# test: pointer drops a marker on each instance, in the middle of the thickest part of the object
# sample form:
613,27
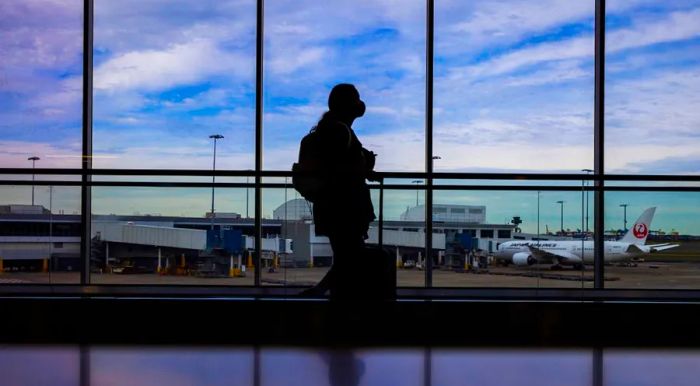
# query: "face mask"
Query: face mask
360,109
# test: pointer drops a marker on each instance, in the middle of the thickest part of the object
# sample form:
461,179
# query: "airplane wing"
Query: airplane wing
658,245
661,247
558,256
633,248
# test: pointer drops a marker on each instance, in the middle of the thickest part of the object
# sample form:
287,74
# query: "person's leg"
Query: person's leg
327,281
346,248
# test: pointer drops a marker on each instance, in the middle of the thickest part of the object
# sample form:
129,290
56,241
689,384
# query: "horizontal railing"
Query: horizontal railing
510,182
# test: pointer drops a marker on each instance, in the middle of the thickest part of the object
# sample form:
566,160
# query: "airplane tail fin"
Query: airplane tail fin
640,230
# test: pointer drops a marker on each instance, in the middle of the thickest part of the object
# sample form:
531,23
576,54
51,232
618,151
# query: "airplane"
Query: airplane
569,252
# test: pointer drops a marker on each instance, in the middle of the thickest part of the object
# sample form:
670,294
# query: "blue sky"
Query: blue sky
513,83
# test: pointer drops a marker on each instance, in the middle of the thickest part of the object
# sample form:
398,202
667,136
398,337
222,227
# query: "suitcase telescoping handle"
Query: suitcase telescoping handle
380,233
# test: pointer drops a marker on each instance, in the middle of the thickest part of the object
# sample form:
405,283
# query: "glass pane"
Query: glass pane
40,365
41,83
513,239
309,256
642,185
342,367
650,368
653,240
145,366
39,234
167,75
466,182
531,367
514,84
404,233
379,46
652,87
298,258
277,365
143,235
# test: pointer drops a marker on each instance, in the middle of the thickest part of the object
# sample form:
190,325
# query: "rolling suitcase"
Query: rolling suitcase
374,273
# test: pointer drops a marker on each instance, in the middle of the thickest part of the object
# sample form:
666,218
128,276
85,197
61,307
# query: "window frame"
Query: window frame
598,178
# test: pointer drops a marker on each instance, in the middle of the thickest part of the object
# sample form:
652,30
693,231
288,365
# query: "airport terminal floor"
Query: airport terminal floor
291,341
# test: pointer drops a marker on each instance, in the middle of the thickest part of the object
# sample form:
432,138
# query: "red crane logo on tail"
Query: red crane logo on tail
640,231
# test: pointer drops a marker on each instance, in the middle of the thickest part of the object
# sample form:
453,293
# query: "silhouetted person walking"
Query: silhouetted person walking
342,208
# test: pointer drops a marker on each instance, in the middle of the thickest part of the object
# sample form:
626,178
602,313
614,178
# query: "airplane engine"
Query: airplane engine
522,258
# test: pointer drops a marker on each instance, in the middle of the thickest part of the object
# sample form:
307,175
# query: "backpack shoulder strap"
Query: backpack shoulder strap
349,133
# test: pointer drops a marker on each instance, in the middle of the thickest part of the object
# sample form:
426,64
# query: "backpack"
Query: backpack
308,174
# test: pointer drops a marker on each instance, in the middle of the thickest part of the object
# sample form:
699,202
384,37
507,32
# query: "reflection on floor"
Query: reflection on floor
194,366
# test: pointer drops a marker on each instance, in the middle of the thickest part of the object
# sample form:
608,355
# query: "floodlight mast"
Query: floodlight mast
33,159
215,137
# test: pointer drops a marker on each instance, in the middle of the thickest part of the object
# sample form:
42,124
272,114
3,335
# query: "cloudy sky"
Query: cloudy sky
513,82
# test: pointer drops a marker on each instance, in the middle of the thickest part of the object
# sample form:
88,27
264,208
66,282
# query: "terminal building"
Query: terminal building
32,238
456,230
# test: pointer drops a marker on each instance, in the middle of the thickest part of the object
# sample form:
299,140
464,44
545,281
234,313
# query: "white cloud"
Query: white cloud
187,155
663,102
178,64
288,19
215,97
676,26
551,74
135,25
40,34
499,21
284,62
562,50
622,157
63,154
496,23
67,95
312,40
187,43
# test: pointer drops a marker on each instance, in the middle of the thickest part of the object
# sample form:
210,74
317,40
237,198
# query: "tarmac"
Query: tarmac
645,275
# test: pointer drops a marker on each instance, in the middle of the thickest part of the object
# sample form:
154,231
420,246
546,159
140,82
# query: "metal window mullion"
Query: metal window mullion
258,137
86,164
599,144
430,32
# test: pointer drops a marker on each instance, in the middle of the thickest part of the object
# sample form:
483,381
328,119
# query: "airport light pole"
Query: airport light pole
587,171
286,182
417,182
50,225
215,137
538,217
33,159
247,190
624,207
561,219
